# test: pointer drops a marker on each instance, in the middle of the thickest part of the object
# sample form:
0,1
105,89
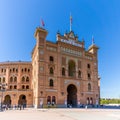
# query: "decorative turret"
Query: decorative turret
40,35
93,48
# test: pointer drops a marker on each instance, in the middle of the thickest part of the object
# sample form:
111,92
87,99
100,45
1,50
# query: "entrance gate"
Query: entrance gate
72,95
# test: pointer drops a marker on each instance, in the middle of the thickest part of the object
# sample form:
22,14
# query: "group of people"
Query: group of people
14,107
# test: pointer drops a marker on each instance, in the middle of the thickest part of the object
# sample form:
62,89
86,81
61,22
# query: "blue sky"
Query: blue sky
100,18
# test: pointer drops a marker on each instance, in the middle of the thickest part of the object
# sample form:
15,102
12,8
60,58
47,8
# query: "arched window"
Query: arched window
3,79
89,87
27,79
51,71
0,87
53,100
2,70
22,70
15,86
63,71
51,59
11,79
23,79
71,68
10,87
49,100
25,69
89,76
0,80
28,70
27,87
51,84
88,66
16,70
79,74
15,79
23,87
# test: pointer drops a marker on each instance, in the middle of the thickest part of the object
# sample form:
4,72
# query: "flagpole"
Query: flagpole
70,22
92,40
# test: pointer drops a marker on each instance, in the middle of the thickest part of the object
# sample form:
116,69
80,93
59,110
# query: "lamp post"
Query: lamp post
3,86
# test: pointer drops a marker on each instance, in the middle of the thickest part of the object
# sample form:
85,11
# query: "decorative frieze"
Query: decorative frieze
70,51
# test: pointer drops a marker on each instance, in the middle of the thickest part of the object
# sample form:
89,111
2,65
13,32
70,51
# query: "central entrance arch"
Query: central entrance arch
72,95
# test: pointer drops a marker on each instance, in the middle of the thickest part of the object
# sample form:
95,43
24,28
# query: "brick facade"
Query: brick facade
60,73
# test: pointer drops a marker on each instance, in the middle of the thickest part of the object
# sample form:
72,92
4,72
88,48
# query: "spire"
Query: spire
70,22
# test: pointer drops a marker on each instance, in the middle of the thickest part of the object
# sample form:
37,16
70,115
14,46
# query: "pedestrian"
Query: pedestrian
20,106
86,107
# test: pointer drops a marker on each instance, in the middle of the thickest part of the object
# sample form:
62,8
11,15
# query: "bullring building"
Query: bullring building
59,74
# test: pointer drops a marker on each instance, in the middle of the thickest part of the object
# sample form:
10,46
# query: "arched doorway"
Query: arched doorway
7,100
22,100
72,95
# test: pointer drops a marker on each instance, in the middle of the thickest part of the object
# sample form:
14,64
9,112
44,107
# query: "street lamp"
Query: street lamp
3,86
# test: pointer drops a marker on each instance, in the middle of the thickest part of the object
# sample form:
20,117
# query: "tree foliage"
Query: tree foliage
109,101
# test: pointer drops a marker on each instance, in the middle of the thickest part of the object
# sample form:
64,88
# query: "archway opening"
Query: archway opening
7,100
72,95
22,100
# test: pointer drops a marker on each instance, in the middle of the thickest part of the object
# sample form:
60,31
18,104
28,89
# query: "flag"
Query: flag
42,23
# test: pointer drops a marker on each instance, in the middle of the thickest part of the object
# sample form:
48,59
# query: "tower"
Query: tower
94,50
38,63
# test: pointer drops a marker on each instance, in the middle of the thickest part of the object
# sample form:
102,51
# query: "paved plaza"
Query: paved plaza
61,114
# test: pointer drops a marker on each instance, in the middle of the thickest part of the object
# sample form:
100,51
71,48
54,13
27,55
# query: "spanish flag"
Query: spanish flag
42,23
